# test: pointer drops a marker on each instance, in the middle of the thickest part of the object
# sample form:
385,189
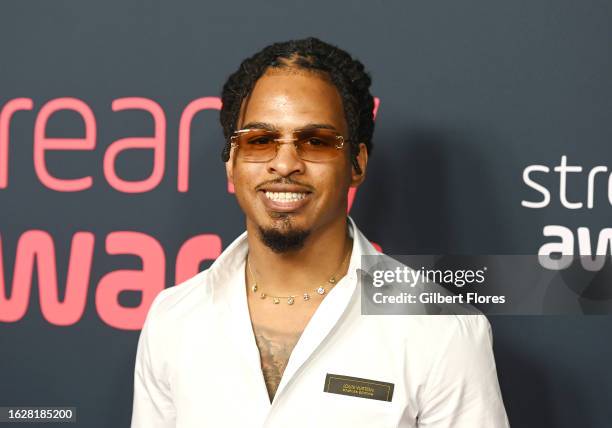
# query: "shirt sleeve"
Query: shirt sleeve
462,388
153,406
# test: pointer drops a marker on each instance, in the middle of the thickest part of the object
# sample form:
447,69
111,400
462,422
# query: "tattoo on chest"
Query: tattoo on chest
274,349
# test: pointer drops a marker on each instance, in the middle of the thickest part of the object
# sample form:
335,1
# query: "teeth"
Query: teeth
285,196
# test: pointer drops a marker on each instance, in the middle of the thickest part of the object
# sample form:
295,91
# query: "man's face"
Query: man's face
286,100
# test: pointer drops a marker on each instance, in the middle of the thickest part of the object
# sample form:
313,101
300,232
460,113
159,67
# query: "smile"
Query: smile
285,196
284,201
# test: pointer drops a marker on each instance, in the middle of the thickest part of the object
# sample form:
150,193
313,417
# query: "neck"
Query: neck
295,272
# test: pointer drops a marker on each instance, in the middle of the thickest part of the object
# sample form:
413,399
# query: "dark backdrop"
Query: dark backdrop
471,94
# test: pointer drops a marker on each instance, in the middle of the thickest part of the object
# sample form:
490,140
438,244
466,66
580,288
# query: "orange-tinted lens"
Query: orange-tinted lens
318,144
256,145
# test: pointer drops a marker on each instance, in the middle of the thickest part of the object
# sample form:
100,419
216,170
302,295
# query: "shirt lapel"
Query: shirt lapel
229,283
328,313
318,328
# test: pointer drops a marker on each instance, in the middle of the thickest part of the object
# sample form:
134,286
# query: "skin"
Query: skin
286,100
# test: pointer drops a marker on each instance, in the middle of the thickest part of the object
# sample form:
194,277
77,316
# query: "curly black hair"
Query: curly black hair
346,73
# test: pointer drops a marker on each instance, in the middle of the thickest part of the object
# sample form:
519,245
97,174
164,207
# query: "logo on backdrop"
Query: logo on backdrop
583,241
579,253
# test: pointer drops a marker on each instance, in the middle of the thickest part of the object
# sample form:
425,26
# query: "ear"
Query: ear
362,161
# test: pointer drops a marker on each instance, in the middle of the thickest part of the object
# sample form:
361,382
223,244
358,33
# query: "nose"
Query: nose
286,162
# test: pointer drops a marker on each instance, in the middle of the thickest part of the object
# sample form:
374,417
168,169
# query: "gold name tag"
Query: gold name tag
358,387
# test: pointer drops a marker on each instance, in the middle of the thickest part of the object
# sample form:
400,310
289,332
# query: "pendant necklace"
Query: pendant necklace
290,300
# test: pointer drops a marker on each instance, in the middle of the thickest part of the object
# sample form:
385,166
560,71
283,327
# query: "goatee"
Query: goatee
282,241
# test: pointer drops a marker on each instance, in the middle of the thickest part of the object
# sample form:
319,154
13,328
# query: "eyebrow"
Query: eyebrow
270,127
260,125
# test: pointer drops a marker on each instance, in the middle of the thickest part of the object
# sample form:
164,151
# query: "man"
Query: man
271,334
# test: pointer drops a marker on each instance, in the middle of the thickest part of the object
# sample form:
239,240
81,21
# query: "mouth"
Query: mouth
284,201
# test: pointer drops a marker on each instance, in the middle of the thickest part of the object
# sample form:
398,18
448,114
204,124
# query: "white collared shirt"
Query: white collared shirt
198,364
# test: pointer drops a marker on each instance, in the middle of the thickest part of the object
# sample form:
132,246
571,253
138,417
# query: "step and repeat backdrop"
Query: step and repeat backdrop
493,136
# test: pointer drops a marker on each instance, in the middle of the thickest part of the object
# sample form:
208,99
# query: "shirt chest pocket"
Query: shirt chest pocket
344,410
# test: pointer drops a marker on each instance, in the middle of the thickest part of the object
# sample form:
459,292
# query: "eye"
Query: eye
316,142
259,141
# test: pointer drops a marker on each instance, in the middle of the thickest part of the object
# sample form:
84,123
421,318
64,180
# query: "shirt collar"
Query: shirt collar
232,259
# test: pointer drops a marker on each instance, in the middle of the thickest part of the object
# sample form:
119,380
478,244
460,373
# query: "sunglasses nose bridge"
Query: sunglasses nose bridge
286,141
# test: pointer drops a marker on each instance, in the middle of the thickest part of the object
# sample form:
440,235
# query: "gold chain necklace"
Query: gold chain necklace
291,299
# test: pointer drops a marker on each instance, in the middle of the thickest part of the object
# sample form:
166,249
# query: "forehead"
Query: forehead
288,98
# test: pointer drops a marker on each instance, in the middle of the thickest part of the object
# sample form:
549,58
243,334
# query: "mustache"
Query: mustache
284,180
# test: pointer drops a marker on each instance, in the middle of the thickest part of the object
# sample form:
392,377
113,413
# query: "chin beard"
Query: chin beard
283,241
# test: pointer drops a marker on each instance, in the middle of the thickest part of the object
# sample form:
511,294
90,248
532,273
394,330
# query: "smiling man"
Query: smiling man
271,335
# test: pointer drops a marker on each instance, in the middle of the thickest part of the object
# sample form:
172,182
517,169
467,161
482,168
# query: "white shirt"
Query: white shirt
198,364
